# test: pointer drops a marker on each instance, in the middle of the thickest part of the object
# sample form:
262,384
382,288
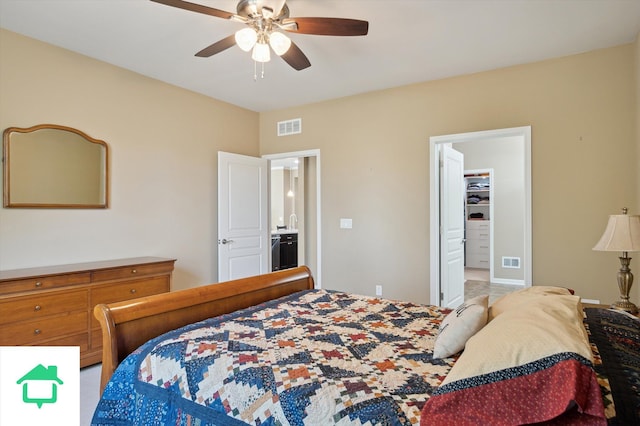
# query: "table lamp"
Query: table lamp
622,234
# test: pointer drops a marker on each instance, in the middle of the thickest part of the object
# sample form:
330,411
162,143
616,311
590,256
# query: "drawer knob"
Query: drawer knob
133,291
134,271
36,331
37,308
38,284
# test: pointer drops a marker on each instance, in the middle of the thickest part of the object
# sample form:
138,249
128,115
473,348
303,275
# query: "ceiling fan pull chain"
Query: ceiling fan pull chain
255,71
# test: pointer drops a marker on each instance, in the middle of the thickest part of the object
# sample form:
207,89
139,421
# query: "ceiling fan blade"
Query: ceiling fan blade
329,26
217,47
193,7
275,5
296,58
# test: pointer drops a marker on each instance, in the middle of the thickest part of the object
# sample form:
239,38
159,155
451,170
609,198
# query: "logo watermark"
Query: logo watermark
40,385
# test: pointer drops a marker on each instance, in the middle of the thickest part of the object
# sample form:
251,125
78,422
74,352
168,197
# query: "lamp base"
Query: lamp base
625,306
625,281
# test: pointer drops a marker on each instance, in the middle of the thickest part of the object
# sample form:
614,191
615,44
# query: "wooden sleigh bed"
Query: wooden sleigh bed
272,349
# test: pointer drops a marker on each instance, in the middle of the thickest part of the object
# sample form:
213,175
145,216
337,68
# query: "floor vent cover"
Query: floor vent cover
290,127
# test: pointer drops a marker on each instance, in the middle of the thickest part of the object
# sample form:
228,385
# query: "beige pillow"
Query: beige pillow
541,328
524,352
517,299
459,325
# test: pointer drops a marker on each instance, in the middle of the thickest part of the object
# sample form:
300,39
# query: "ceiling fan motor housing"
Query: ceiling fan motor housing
275,9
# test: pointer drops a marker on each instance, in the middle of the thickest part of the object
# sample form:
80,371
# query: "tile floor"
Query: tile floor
477,283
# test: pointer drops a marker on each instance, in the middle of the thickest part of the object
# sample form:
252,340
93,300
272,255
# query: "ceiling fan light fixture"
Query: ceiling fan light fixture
279,42
246,38
262,17
261,52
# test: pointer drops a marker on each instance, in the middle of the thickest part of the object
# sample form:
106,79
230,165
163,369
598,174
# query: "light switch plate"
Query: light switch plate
346,223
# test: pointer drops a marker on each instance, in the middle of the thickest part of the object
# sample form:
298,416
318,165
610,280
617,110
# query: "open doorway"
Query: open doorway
520,136
295,210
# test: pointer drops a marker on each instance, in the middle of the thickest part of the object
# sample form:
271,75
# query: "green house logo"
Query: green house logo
40,385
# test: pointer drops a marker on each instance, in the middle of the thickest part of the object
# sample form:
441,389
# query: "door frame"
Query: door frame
307,153
434,200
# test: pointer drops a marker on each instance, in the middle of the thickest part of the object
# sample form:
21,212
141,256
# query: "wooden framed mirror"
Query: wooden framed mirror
52,166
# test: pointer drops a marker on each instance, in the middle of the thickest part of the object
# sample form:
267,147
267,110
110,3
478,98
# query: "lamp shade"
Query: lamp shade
622,234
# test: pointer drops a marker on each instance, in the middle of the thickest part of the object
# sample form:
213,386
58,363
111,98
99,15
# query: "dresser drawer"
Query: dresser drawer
128,272
477,246
46,303
478,234
79,340
127,290
40,331
475,260
43,283
478,225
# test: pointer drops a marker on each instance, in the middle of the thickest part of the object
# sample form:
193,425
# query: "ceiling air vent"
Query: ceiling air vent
290,127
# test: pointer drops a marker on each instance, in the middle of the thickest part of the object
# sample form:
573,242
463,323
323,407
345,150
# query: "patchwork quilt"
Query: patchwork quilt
615,340
320,358
313,358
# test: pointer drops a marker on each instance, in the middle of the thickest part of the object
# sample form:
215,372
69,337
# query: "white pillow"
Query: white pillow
459,325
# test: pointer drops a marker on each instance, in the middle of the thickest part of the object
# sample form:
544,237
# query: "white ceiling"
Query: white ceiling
409,41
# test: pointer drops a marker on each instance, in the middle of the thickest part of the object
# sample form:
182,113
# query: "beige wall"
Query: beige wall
635,290
374,150
163,143
637,118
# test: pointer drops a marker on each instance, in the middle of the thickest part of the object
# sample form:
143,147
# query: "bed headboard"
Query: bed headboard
127,325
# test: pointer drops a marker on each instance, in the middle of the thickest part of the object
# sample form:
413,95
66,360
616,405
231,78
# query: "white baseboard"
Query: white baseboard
507,281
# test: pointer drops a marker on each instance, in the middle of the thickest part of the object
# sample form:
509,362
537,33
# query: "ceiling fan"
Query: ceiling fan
263,19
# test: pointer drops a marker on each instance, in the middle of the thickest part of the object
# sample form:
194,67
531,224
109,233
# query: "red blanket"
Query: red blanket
532,363
560,390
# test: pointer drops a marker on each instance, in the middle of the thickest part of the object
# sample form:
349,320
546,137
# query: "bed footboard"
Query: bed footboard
127,325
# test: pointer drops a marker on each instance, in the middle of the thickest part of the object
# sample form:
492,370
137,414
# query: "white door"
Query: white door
243,231
452,227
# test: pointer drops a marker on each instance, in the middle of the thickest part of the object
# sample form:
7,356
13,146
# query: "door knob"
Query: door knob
225,241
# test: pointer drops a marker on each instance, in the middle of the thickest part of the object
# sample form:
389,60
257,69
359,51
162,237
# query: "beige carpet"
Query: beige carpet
89,392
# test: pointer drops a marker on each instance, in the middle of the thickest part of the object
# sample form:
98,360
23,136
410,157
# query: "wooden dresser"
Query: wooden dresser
53,306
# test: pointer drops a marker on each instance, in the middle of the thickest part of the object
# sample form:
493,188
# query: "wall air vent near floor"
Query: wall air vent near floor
511,262
290,127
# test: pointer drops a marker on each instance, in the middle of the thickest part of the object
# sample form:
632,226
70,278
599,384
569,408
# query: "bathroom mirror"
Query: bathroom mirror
52,166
